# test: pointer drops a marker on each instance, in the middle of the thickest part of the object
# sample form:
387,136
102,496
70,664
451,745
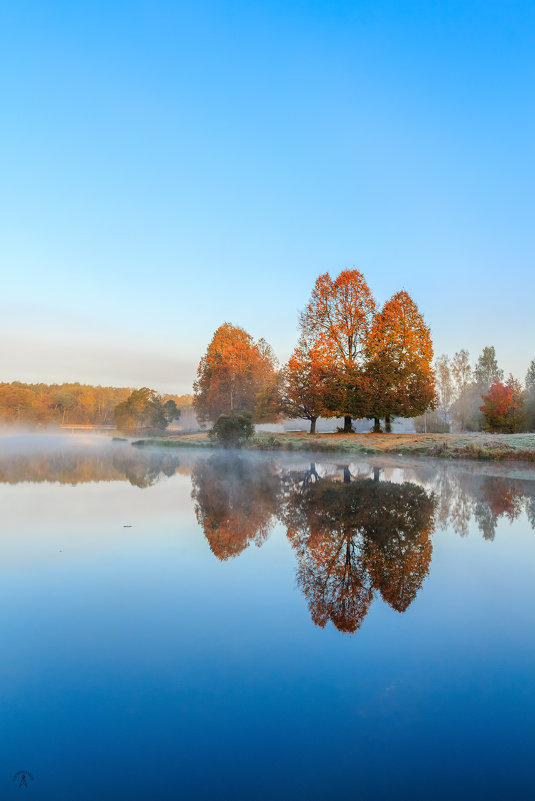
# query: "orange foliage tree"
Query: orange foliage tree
42,404
502,407
232,374
400,352
304,383
337,321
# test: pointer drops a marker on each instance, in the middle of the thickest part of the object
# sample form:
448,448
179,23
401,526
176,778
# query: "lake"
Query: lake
203,624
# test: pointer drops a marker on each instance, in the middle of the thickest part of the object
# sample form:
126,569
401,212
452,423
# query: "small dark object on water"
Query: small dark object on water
119,439
127,526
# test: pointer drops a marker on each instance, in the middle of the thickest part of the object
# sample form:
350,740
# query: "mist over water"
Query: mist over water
165,607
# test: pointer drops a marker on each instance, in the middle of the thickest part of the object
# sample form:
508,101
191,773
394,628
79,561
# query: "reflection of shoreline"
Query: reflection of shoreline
359,529
466,492
73,466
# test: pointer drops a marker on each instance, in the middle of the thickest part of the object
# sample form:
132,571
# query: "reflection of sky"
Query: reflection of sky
170,167
136,665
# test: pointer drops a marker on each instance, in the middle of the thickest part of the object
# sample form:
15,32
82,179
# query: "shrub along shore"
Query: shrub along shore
513,447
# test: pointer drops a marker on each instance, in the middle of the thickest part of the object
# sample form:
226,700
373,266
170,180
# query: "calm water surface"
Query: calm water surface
203,625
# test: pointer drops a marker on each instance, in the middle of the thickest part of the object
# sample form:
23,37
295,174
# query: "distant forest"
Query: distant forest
42,404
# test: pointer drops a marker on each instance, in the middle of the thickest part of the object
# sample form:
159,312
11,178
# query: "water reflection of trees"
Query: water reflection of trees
357,538
235,502
485,499
355,535
147,467
140,468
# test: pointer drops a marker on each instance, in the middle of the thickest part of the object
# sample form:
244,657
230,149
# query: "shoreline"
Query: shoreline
474,446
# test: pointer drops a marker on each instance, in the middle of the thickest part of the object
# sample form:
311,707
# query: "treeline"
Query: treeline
45,404
477,398
356,361
352,360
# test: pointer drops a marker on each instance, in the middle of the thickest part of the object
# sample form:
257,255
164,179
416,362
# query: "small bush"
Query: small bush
232,430
267,442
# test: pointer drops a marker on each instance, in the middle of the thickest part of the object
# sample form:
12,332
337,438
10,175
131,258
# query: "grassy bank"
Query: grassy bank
519,447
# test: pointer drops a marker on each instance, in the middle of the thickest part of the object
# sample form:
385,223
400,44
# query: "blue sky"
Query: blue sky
167,167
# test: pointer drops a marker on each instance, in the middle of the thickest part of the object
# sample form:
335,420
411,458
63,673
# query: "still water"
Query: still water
206,625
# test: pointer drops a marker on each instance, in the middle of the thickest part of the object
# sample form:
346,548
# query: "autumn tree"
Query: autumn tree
43,404
502,407
399,377
232,373
15,402
336,322
64,401
304,383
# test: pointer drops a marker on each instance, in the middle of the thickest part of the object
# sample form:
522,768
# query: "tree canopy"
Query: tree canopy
337,322
144,408
400,351
232,374
305,383
486,371
502,407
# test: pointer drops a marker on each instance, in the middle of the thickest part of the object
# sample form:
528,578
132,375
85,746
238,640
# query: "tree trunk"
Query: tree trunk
347,475
376,425
313,425
348,427
388,424
376,473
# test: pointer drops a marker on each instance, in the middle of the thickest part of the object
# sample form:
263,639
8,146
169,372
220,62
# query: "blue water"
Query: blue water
205,652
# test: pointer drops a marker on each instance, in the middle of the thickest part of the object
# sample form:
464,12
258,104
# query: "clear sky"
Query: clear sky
169,166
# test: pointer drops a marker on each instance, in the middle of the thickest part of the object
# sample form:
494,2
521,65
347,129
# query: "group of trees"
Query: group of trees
73,403
352,361
477,398
43,404
144,408
354,539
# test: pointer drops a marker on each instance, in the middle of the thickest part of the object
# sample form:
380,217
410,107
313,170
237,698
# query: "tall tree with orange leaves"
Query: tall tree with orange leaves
400,351
337,321
304,383
232,373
